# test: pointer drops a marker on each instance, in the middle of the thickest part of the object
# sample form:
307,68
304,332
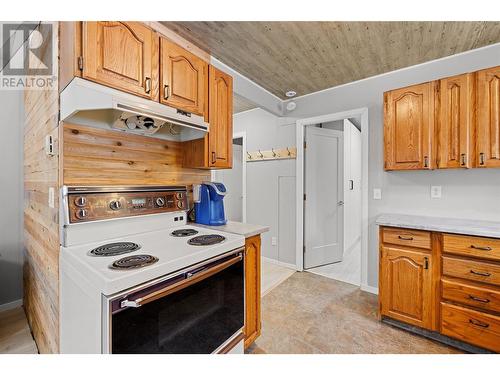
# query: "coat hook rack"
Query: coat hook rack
272,154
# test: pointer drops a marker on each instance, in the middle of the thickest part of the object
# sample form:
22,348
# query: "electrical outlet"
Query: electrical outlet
51,197
377,193
436,192
273,241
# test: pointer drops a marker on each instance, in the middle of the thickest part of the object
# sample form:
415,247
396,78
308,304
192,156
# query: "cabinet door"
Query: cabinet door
252,290
488,117
409,127
122,55
456,101
221,119
183,78
406,286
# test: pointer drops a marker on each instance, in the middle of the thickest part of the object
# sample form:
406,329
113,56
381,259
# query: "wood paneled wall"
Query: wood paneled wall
41,222
94,156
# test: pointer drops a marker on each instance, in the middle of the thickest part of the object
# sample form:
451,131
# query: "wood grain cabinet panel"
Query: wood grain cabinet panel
221,119
183,78
455,121
472,246
471,326
252,290
407,237
488,117
484,272
122,55
409,127
406,285
471,294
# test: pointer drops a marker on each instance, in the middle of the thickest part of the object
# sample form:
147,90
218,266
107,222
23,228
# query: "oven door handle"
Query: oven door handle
192,279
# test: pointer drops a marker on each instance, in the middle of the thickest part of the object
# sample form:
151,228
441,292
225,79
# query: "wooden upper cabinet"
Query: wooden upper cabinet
220,135
488,117
409,127
123,55
183,78
406,286
456,110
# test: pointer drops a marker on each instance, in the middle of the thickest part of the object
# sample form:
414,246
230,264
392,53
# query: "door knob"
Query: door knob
340,203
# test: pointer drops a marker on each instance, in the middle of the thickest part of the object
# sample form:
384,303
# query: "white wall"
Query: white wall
233,181
270,184
11,197
470,193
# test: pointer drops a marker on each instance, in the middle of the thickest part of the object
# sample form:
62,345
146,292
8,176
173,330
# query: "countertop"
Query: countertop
442,224
236,227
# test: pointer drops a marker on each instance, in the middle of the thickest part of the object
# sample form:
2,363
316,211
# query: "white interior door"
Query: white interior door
323,204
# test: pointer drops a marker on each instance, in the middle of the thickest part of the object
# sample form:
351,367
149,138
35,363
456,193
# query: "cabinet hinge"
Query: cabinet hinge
304,196
305,144
80,62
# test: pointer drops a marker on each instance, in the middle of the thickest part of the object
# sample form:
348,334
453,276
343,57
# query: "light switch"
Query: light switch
377,193
51,197
436,192
273,241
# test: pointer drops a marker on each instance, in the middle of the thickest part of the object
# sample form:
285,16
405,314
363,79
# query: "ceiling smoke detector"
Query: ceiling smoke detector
290,93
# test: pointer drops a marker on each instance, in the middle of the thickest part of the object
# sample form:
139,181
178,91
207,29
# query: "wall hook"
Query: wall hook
289,153
274,153
249,155
261,155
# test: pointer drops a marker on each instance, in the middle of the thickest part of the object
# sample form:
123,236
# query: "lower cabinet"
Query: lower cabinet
252,290
406,286
450,284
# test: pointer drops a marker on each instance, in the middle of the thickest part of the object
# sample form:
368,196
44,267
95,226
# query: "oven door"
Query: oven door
197,310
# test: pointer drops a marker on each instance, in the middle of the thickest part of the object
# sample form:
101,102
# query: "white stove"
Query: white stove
127,255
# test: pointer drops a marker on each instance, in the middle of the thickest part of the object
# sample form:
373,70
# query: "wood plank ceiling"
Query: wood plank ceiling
311,56
241,104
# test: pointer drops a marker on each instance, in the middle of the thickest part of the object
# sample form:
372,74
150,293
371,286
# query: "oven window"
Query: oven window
197,319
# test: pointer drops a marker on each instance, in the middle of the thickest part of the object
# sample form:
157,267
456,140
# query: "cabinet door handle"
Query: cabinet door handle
487,274
405,238
481,158
478,323
426,263
147,85
166,92
213,157
426,161
463,159
485,248
483,300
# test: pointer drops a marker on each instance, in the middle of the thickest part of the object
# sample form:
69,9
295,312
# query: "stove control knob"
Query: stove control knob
115,205
160,202
180,204
180,195
81,201
81,213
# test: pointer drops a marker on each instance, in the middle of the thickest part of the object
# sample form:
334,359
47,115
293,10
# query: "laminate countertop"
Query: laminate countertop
236,227
442,224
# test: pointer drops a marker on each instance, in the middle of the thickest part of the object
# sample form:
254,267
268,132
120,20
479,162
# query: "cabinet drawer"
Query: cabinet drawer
471,326
479,247
472,270
471,294
407,237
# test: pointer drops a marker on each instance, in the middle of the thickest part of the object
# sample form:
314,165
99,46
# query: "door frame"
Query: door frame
213,174
299,165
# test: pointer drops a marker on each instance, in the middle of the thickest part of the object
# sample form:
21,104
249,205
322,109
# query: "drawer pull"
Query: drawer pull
405,238
483,300
478,323
485,248
487,274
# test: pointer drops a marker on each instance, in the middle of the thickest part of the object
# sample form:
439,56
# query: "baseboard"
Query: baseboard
278,263
369,289
11,305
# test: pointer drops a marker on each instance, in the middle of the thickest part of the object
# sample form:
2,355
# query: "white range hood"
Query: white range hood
90,103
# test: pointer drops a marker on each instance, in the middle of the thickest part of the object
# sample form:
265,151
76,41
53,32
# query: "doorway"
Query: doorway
235,181
332,196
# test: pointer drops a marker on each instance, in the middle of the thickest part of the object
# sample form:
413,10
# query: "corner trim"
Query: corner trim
369,289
